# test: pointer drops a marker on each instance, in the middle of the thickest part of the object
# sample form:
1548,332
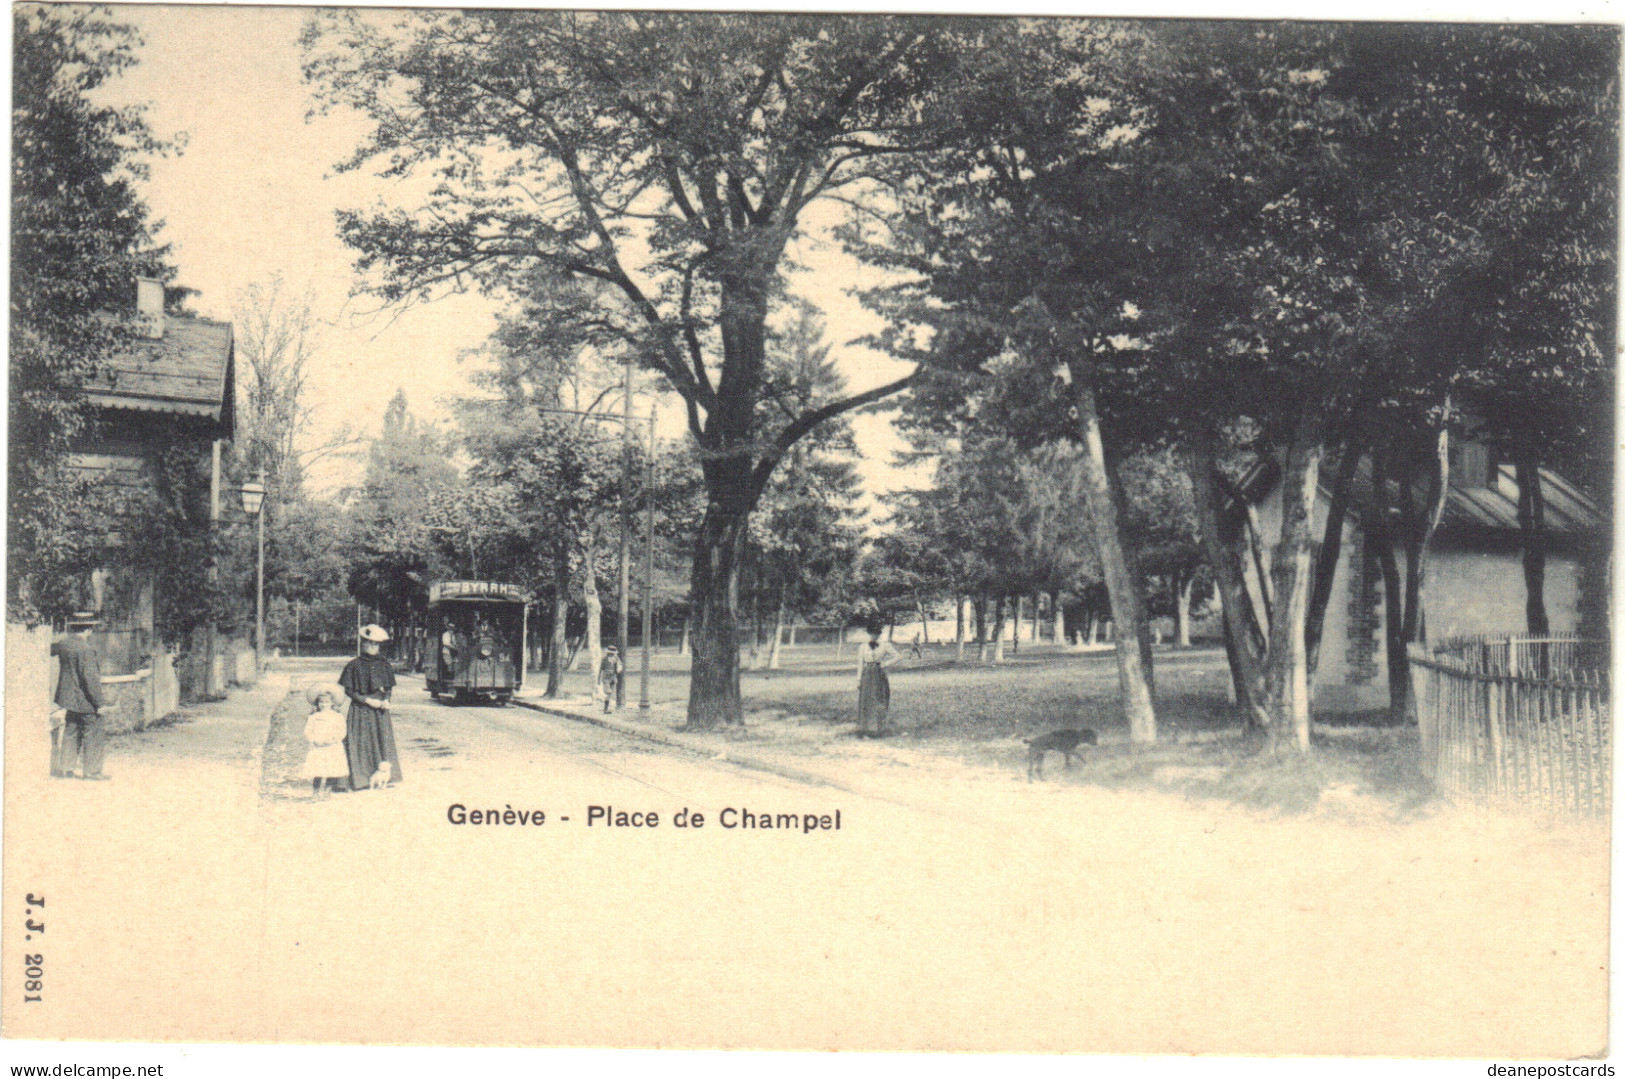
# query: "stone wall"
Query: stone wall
125,703
28,692
1362,634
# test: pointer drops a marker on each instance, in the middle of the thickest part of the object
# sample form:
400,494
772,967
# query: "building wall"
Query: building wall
1471,593
122,458
1468,592
1352,674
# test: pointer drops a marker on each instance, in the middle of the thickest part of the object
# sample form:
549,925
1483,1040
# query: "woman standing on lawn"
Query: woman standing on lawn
874,689
370,736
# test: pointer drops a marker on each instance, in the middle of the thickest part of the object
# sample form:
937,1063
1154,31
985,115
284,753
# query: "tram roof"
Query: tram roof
476,592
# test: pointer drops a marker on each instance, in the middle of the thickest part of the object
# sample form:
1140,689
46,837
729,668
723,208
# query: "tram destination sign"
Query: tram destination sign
476,590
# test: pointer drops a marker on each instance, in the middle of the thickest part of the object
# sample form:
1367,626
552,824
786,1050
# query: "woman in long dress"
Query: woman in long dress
874,688
369,736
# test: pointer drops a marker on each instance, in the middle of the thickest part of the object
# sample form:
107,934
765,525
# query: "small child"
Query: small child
325,730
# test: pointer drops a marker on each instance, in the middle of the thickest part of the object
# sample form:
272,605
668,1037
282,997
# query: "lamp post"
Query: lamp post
648,561
253,493
622,640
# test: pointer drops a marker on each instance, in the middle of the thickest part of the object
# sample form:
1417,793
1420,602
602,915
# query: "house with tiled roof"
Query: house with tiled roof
1475,583
173,391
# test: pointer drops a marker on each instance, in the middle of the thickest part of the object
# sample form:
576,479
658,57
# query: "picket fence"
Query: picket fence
1517,720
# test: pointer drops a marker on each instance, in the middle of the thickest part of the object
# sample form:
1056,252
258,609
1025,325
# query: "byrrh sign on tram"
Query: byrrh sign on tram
476,640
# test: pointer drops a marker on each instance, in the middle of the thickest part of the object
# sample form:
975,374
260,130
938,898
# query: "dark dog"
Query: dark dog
1063,742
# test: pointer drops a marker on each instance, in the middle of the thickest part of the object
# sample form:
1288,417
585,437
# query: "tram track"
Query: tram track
545,735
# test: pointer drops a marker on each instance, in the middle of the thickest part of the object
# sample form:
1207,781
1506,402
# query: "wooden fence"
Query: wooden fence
1517,720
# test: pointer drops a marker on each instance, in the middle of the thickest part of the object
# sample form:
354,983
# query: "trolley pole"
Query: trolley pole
622,638
259,596
648,560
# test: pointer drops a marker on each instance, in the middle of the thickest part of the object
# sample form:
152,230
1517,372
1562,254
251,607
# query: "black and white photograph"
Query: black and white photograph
910,532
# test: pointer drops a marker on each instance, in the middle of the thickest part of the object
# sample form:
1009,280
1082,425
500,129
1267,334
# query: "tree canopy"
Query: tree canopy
80,235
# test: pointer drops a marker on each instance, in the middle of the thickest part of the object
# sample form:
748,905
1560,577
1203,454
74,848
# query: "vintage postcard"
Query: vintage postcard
786,531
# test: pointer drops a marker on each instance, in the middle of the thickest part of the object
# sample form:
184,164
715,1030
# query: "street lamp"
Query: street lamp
253,493
648,561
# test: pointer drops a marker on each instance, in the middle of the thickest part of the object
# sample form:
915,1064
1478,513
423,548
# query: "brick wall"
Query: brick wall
1363,632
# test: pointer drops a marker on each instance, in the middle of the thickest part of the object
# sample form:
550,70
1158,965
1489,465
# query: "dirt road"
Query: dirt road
954,908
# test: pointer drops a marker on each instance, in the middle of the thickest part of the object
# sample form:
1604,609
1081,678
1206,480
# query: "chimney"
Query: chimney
149,306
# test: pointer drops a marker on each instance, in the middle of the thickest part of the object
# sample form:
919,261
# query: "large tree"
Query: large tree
276,334
396,556
80,235
667,159
1015,272
804,532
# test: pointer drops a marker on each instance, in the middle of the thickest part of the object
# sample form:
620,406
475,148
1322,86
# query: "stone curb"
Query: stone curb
695,746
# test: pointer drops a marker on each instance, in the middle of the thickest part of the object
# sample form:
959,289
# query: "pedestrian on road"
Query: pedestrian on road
609,675
369,736
83,737
326,763
874,688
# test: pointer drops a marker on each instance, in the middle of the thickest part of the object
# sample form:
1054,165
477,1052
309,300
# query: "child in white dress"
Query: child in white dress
325,730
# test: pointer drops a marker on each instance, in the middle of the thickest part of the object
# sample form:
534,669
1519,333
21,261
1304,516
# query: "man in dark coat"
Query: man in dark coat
79,694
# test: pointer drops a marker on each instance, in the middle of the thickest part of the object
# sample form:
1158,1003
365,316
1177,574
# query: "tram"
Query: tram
476,640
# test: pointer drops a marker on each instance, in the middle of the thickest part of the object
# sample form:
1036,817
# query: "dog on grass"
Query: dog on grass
1065,743
380,778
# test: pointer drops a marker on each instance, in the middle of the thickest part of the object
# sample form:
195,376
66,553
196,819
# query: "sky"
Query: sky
253,195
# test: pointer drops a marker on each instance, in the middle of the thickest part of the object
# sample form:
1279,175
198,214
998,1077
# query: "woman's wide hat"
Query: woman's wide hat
374,632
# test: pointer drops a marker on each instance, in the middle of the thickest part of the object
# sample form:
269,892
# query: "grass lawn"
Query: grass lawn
980,713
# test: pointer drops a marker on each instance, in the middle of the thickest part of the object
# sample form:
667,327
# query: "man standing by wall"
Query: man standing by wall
79,694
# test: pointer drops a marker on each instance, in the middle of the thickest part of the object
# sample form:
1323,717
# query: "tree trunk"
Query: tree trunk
1260,599
756,628
682,645
1240,695
1059,612
1420,534
713,696
1380,540
1331,549
1184,584
925,626
1287,680
1532,529
1034,637
1124,592
561,612
1244,638
998,629
778,637
1014,603
595,604
1131,559
959,628
981,627
1596,588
